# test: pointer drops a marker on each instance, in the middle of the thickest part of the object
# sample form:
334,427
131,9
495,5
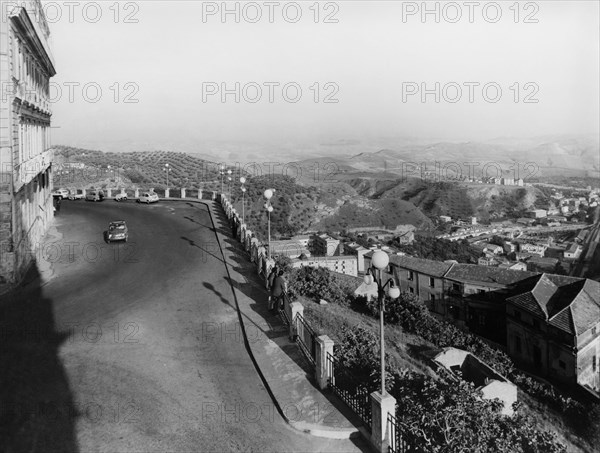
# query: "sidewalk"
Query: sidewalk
286,373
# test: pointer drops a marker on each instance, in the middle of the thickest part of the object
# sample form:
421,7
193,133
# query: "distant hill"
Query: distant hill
131,170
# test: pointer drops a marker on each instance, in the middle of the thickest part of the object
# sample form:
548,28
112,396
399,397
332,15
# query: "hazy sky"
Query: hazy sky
375,61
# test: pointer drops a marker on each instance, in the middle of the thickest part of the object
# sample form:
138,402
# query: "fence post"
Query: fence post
381,406
109,193
295,308
324,346
167,193
199,194
136,193
182,192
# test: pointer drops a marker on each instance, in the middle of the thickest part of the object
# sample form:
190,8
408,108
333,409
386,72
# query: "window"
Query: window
411,290
562,365
410,276
518,344
432,297
431,282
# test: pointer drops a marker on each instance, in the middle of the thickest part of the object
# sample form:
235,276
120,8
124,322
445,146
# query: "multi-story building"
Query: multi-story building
553,328
475,297
26,66
325,245
421,277
342,264
290,248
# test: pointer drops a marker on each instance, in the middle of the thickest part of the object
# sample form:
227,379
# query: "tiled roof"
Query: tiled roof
428,267
570,304
489,276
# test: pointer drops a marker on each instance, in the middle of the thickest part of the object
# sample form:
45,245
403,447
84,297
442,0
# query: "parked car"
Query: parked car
117,231
94,195
121,197
148,197
73,195
60,193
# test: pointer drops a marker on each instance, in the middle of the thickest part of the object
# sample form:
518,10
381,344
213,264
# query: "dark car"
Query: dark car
117,231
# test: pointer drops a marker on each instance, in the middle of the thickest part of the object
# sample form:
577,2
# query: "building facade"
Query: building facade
553,328
26,66
342,264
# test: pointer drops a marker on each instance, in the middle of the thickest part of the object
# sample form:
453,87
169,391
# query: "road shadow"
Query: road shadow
37,412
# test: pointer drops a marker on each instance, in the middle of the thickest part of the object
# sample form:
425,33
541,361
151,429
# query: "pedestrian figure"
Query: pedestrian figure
278,290
270,280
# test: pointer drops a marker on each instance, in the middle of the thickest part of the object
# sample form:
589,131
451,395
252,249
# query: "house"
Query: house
493,248
525,221
537,213
553,328
555,251
540,264
533,249
488,260
475,297
509,247
303,239
354,248
289,248
421,277
342,264
514,265
325,245
471,368
406,238
573,252
445,218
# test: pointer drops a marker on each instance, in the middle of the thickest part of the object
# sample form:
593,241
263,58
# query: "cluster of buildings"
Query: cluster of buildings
548,324
26,66
337,253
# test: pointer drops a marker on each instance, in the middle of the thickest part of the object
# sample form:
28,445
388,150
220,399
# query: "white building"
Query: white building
26,66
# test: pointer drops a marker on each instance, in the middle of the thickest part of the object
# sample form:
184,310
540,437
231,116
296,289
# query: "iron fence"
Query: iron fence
306,339
349,389
400,441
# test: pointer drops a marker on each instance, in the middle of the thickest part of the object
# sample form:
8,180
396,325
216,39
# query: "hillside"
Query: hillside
131,170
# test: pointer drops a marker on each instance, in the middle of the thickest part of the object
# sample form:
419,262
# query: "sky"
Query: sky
181,75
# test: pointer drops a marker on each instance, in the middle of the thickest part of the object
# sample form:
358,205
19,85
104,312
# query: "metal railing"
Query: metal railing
350,390
400,441
307,340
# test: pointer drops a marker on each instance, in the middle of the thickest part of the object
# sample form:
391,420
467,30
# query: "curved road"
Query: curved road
134,346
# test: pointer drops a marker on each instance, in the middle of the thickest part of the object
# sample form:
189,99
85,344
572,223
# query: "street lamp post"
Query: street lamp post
379,261
229,182
167,168
243,180
268,195
222,173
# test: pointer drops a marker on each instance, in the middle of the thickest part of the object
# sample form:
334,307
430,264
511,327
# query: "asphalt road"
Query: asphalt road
133,346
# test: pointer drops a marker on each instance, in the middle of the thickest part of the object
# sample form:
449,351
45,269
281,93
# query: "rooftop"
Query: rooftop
424,266
490,276
570,304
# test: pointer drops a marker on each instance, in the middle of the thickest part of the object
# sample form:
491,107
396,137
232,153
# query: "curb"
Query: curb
307,428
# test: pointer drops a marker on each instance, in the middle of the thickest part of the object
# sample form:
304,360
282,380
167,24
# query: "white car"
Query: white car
60,193
76,196
121,197
148,197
